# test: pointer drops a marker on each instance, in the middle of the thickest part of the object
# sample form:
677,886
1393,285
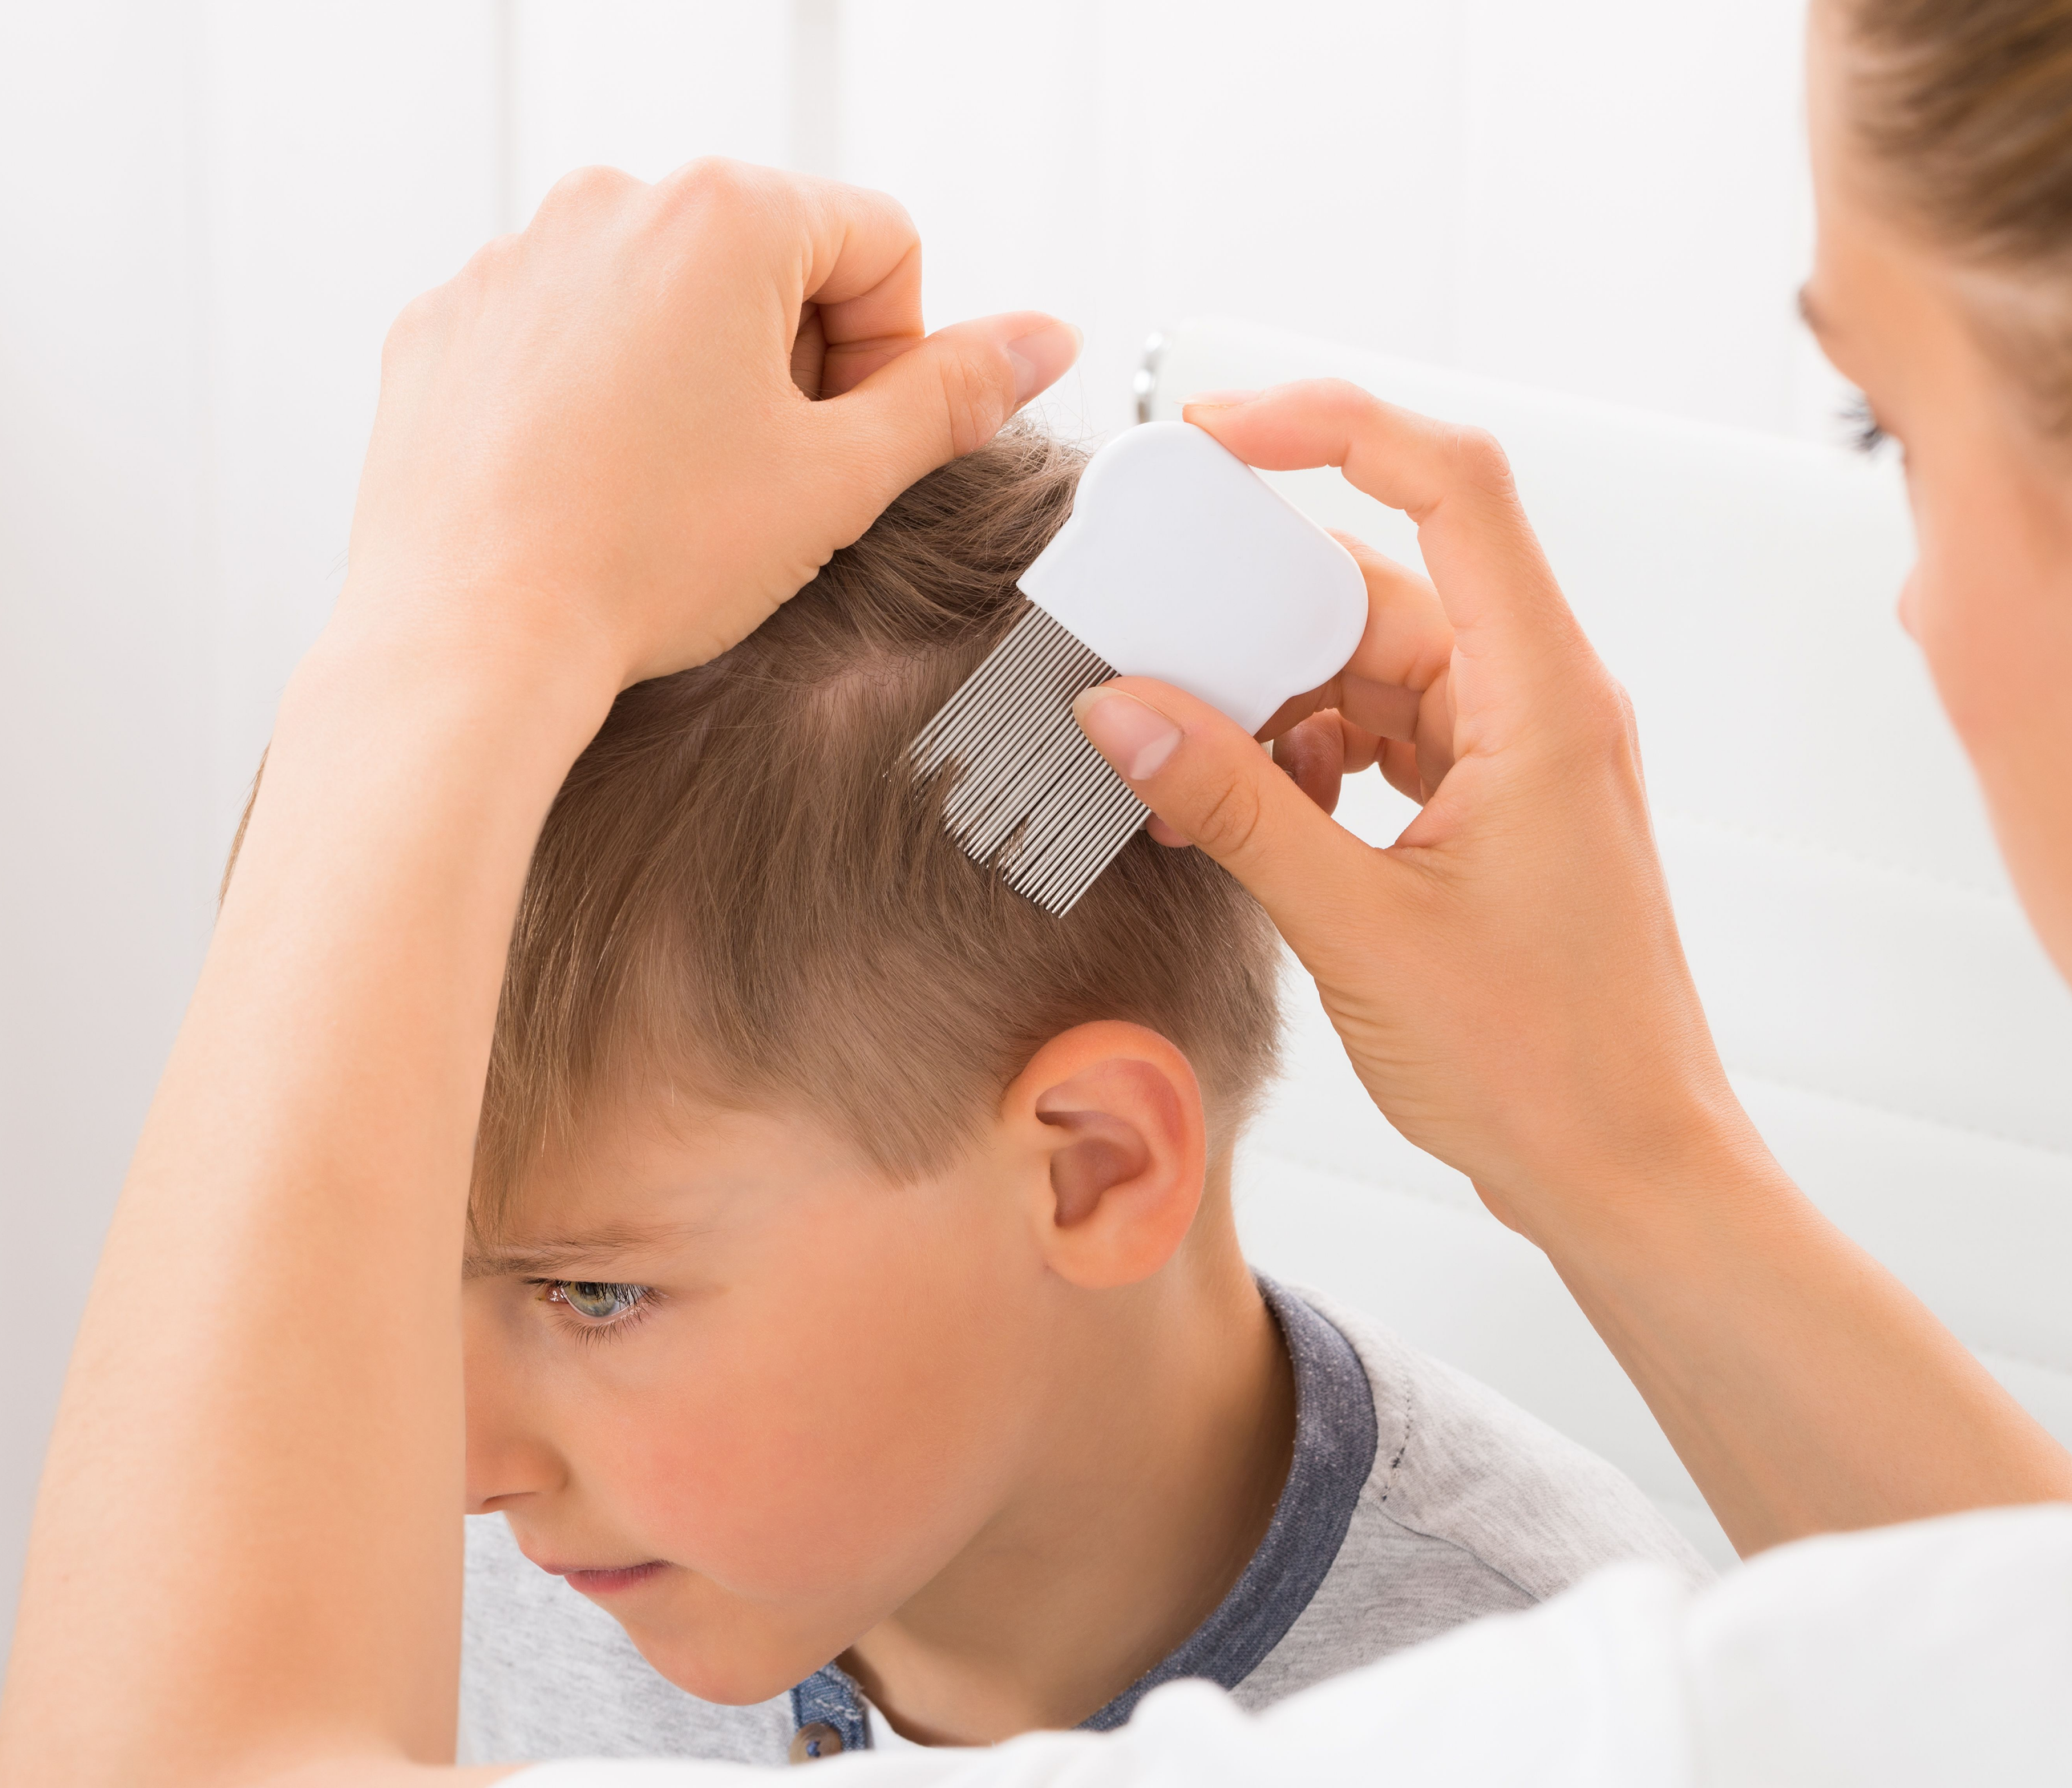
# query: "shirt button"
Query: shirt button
818,1739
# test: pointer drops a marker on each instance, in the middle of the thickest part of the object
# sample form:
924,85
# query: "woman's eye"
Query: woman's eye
1866,432
595,1300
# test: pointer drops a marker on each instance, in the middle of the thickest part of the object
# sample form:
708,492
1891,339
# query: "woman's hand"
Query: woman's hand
1509,985
593,446
1508,977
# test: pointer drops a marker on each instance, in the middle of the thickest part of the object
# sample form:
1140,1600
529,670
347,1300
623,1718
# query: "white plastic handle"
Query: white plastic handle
1178,561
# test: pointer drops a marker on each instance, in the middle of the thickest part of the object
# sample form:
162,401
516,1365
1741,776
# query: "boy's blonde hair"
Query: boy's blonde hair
741,890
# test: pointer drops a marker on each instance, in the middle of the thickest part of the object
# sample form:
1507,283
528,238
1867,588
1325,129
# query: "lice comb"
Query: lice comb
1178,562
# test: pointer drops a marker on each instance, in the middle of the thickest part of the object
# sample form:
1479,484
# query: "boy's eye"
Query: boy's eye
595,1300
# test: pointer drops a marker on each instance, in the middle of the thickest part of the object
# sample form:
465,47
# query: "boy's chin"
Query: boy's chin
734,1661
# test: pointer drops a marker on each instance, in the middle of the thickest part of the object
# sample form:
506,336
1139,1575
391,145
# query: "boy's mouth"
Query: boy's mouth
608,1579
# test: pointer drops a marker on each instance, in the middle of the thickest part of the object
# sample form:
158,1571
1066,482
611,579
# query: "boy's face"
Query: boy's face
749,1393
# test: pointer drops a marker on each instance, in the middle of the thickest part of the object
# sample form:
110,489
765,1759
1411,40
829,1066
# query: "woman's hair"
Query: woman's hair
742,890
1965,107
1968,105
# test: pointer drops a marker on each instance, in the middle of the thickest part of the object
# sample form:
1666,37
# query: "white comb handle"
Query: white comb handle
1180,562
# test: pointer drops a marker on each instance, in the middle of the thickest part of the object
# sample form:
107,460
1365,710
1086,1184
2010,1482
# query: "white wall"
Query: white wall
103,645
209,213
1604,197
210,207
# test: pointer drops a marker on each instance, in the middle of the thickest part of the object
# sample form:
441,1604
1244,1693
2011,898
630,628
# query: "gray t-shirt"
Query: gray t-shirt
1417,1499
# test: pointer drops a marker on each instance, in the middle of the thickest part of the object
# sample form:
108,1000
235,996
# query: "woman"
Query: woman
244,1567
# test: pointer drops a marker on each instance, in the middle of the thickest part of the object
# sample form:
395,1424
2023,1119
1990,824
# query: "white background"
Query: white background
208,212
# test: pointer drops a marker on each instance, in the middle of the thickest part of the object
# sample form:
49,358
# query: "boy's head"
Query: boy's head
821,1177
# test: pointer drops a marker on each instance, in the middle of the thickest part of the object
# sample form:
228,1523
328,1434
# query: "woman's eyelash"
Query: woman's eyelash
1866,433
597,1309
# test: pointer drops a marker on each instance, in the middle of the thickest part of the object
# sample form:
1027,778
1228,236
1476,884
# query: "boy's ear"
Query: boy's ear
1110,1115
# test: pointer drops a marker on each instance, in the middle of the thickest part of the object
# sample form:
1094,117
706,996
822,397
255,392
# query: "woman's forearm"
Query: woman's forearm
592,463
249,1530
1805,1388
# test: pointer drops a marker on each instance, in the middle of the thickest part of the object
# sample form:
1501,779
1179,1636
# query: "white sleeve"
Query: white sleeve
1933,1654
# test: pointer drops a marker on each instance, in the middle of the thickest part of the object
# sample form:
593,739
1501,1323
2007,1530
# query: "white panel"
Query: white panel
1633,216
351,166
1981,1228
1824,971
644,85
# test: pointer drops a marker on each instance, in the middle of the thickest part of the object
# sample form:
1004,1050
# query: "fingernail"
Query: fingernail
1218,400
1041,358
1135,738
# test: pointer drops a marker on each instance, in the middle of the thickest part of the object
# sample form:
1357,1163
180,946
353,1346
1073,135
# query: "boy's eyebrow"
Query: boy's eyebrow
552,1257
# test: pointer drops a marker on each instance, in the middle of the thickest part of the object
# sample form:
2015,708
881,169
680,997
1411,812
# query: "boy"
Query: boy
859,1349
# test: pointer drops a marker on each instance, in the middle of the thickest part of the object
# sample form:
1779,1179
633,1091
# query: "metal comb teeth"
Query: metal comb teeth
1028,792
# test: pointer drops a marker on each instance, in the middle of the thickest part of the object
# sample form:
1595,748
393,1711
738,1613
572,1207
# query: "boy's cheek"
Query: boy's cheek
813,1441
853,1426
794,1523
864,1465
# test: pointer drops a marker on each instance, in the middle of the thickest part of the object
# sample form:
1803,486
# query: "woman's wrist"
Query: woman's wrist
1595,1183
390,650
1792,1373
414,769
1670,1214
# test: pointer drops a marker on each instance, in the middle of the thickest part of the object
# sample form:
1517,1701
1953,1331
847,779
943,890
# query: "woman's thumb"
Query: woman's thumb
1209,779
948,394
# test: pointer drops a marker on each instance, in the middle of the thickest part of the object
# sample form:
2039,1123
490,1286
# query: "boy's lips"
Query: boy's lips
605,1580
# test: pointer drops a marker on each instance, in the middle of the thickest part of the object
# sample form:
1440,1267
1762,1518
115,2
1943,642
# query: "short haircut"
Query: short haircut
742,891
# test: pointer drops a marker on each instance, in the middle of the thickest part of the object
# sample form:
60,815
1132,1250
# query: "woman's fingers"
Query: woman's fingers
854,253
1394,685
1398,763
865,275
1506,611
809,351
945,396
863,278
900,402
1312,755
1408,640
1406,648
593,444
1317,755
1209,780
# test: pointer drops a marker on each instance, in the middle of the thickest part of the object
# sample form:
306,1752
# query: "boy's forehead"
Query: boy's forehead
549,1252
654,1174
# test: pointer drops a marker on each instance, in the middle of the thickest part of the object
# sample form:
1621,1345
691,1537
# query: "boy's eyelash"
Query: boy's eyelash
1866,432
639,1299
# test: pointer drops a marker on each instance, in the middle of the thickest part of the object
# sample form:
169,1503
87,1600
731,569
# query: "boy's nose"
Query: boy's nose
508,1455
500,1474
